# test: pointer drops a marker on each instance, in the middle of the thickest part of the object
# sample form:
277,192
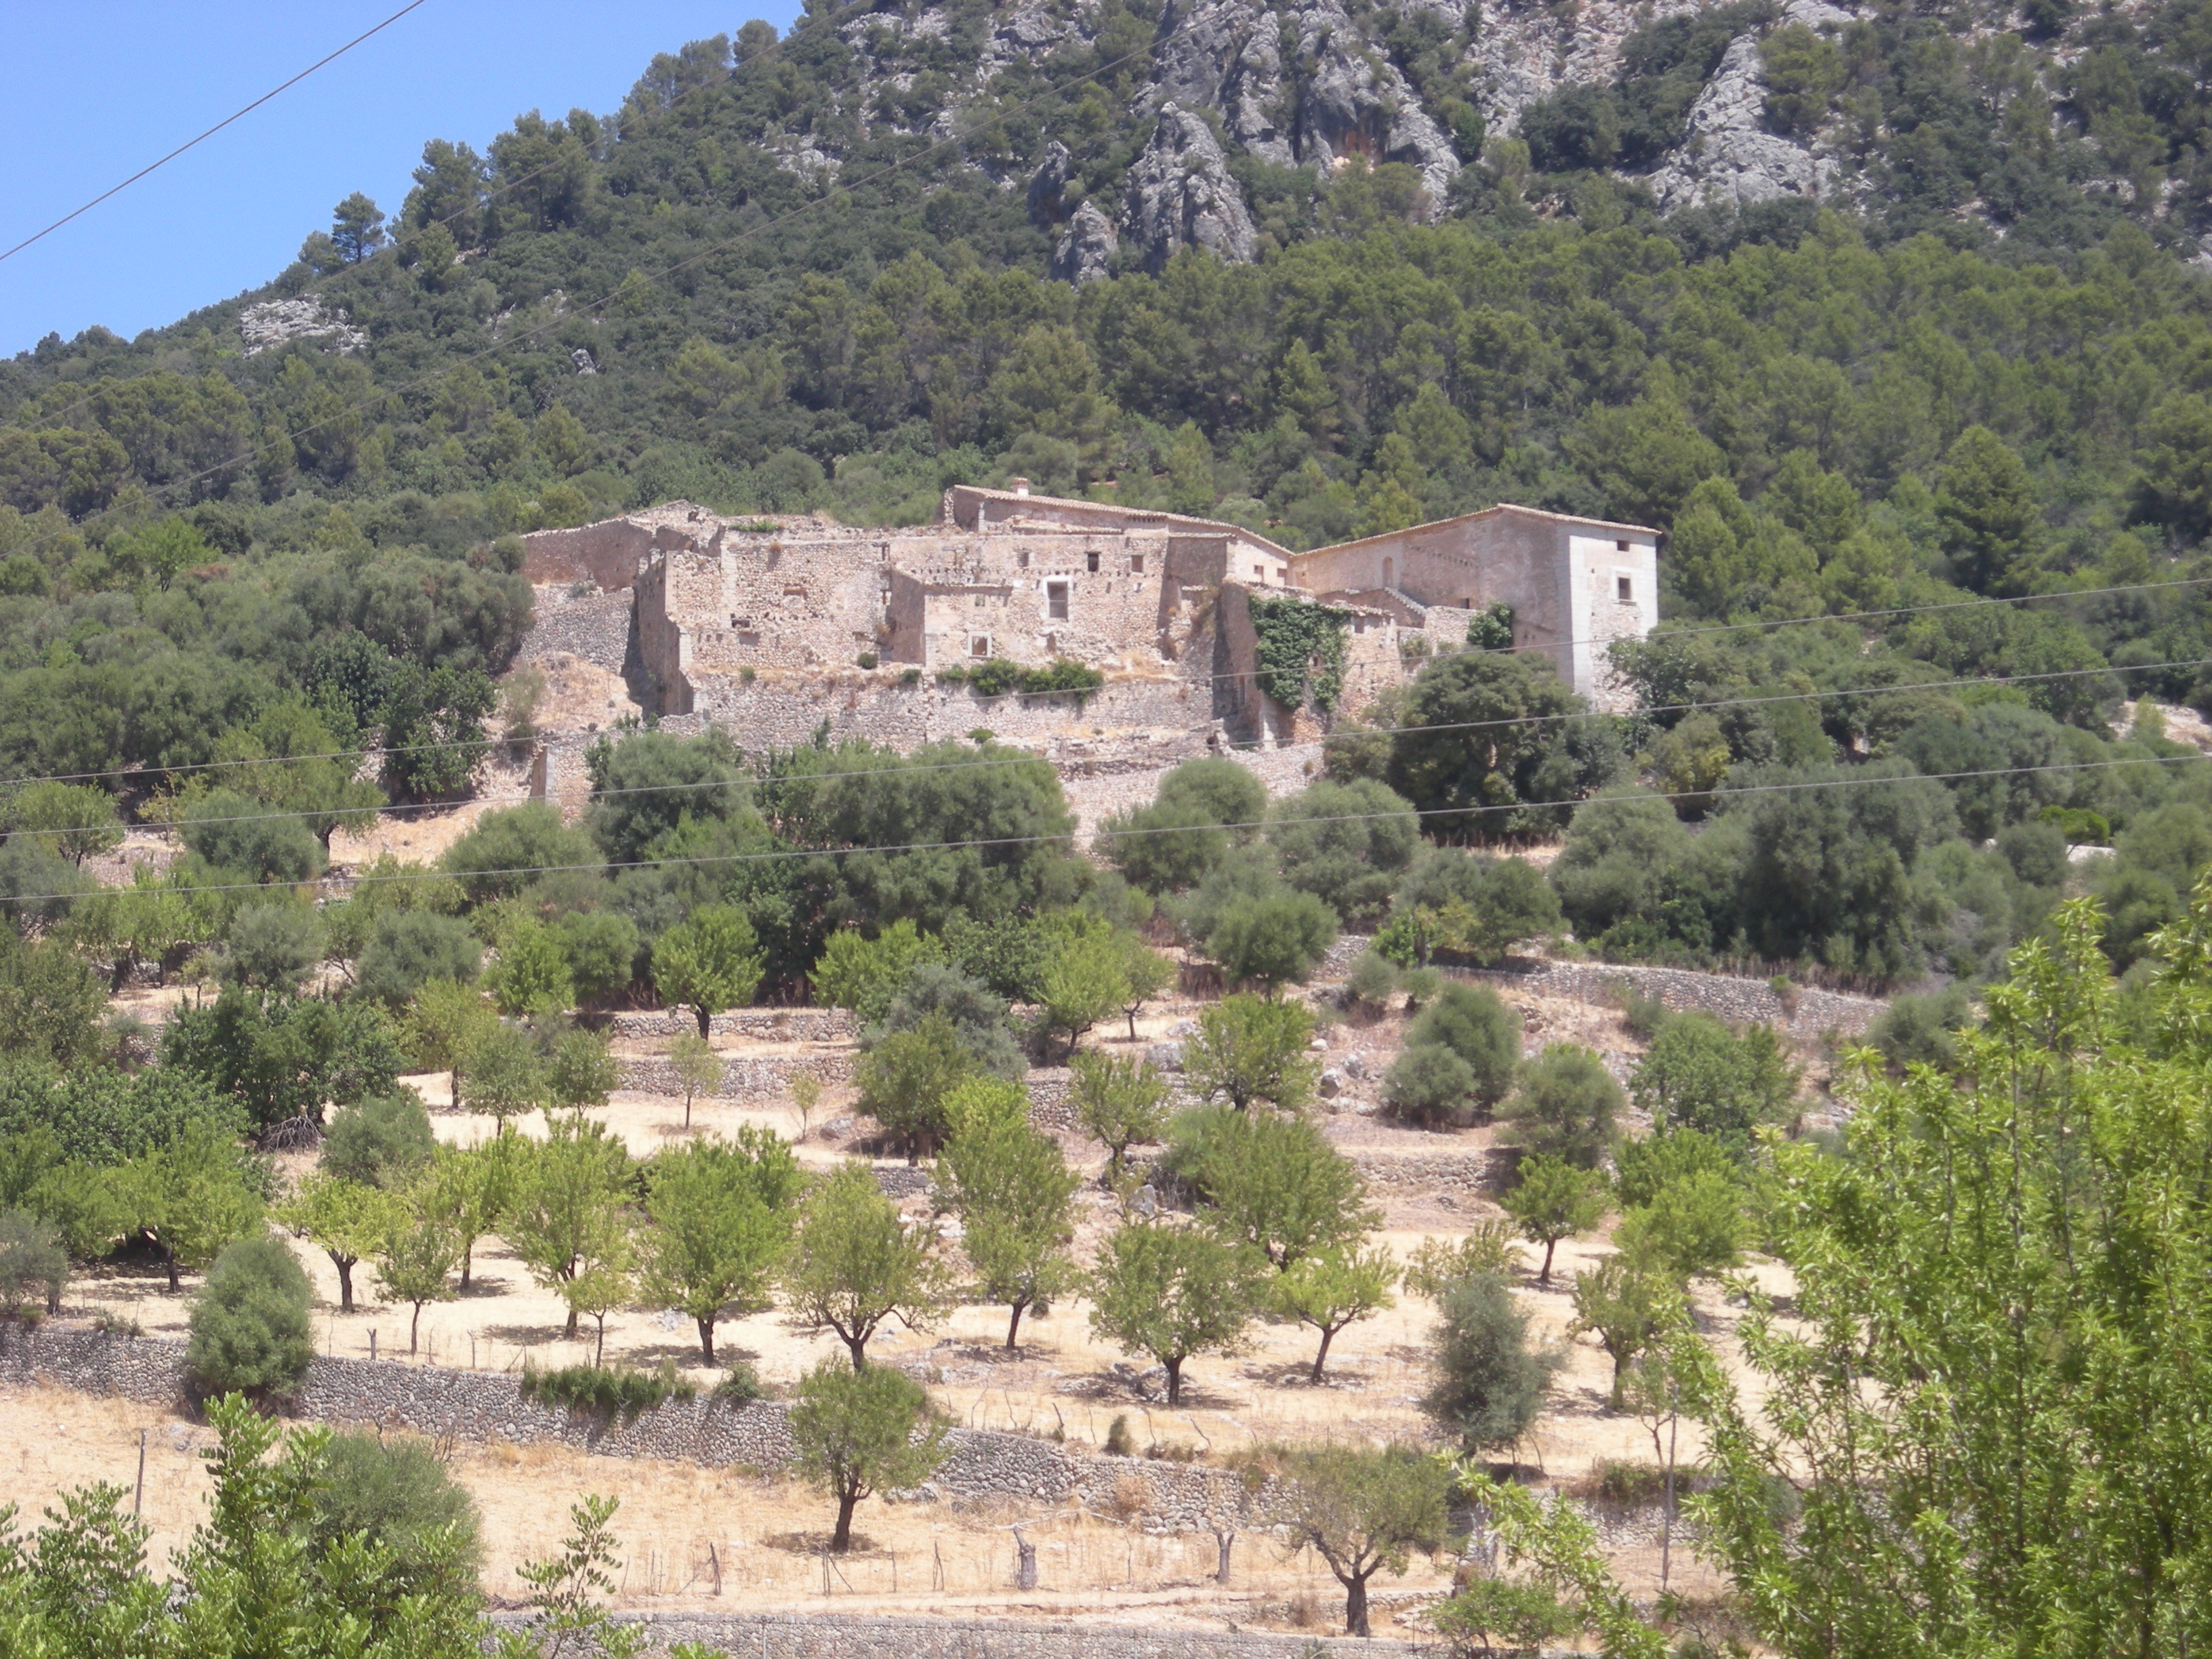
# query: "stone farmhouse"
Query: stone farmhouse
776,627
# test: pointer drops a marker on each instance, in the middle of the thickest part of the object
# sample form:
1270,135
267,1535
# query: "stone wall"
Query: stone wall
488,1405
1808,1016
610,553
747,1078
854,1636
594,627
1152,722
761,1025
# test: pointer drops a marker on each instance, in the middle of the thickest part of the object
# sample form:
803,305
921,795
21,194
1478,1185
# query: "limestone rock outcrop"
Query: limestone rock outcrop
1730,159
1085,251
1181,195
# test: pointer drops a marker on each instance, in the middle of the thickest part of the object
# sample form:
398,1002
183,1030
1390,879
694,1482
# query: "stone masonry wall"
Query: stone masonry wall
851,1636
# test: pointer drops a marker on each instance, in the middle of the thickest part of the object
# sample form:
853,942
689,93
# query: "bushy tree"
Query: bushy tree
1346,844
855,1263
412,949
1220,790
397,1494
1490,1381
1554,1199
721,1214
270,947
503,850
1566,1105
1014,1193
1120,1101
251,1326
857,1432
507,1074
566,1211
1481,734
235,832
1365,1512
1332,1288
977,1014
1250,1048
707,963
1270,939
1472,1025
383,1141
1700,1075
1172,1292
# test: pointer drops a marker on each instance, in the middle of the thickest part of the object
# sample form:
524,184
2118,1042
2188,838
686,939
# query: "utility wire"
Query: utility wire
236,115
385,394
1025,757
780,854
806,26
145,770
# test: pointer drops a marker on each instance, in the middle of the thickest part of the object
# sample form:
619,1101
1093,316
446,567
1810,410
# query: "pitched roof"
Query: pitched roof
1488,512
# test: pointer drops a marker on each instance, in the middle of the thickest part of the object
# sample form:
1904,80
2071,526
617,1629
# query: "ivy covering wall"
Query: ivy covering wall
1301,651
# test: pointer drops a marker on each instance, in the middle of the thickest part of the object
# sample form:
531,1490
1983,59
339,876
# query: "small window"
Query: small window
1055,601
1260,571
1389,573
978,645
1620,547
1090,562
1136,564
1624,589
1022,558
982,599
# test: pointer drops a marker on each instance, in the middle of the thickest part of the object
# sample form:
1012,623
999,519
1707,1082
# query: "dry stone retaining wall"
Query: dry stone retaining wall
746,1077
763,1025
851,1636
1806,1015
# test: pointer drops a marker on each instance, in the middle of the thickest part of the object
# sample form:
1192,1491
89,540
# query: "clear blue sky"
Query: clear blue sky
97,88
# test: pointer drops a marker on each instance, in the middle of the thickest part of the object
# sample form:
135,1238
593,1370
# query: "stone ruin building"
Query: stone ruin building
774,627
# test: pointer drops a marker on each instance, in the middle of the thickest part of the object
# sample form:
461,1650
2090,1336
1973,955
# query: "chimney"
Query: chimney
1019,486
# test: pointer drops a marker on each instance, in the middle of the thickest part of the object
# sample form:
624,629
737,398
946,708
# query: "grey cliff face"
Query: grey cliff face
1181,195
1085,251
1338,99
1730,159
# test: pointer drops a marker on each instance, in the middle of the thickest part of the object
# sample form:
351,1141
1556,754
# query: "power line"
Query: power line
780,854
1244,674
1025,757
841,189
506,185
236,115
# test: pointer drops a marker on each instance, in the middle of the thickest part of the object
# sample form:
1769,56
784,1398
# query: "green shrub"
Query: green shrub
34,1266
252,1329
398,1494
1490,1382
608,1391
742,1385
382,1141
